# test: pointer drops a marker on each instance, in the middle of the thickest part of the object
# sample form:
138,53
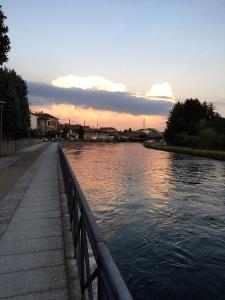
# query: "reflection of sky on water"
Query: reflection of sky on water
162,215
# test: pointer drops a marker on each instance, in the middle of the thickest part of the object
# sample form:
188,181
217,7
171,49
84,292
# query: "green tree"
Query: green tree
4,39
195,124
52,133
66,130
13,90
21,90
8,93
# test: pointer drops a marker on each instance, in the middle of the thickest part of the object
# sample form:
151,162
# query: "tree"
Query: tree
52,133
21,90
66,129
4,39
195,124
13,91
12,113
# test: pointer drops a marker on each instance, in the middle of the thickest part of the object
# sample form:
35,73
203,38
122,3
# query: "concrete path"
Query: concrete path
6,161
13,167
32,256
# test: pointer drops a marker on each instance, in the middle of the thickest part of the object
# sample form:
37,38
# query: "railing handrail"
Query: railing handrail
114,286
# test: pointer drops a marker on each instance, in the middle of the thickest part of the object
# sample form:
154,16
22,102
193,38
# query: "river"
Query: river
162,216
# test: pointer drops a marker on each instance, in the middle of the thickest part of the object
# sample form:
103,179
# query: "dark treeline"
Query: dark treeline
13,91
195,124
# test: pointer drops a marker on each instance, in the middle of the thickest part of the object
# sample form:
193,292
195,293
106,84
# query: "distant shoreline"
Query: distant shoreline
213,154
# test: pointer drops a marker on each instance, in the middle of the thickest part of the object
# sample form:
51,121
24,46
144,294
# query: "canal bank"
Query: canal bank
213,154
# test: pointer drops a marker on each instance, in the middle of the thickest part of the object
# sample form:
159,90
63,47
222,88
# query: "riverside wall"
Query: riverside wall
11,146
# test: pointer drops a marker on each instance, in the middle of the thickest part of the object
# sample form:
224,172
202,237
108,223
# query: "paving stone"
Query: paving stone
50,185
38,199
37,215
34,203
41,206
32,234
35,209
21,262
32,281
21,224
61,294
32,245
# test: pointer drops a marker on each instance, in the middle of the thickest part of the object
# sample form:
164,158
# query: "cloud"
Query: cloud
41,93
161,91
89,82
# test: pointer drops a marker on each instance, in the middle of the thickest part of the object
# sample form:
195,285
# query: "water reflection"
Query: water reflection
158,175
162,215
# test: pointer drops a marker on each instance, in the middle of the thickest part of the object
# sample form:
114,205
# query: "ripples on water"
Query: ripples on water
162,215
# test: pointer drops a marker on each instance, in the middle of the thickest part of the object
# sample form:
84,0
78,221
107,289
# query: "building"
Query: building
90,134
46,122
107,134
33,121
151,133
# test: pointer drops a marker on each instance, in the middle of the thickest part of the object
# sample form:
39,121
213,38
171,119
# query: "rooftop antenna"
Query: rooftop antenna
84,122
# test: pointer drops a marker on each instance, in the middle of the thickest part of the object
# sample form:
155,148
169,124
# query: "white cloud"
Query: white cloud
89,82
161,91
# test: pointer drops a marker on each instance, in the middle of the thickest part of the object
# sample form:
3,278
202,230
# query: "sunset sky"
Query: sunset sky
118,62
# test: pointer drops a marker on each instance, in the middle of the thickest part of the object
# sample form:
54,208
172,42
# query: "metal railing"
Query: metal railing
99,276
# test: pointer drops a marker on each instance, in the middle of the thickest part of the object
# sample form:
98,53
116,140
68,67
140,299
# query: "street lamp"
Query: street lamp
1,109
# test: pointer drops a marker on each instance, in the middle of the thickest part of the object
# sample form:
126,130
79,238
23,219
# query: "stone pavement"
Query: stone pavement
13,167
33,242
6,161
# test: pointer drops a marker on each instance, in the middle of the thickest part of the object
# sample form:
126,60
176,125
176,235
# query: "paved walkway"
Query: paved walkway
33,262
6,161
13,167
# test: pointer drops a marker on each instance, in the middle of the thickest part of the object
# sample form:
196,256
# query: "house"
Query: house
71,131
106,134
33,121
108,129
76,131
46,122
151,133
130,135
90,133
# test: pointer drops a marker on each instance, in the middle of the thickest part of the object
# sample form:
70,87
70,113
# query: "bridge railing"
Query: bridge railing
99,276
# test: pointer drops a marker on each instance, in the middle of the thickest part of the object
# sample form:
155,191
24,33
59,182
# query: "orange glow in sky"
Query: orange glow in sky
91,117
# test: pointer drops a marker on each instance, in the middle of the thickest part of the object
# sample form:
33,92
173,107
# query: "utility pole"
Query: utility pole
69,127
144,123
1,113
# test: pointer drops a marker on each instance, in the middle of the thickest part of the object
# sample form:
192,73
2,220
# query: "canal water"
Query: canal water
162,215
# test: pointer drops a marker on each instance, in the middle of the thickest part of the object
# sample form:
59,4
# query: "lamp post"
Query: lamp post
1,110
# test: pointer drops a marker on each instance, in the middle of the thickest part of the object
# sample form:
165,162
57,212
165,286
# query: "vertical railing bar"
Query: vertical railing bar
87,263
82,260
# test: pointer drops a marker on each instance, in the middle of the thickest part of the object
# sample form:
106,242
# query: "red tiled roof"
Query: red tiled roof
45,116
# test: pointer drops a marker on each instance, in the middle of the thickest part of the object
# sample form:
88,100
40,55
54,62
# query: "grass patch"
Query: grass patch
214,154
